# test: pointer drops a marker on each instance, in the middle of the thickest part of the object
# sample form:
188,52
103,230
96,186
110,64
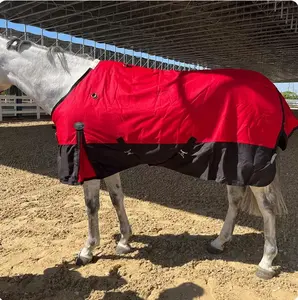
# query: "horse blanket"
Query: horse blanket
223,125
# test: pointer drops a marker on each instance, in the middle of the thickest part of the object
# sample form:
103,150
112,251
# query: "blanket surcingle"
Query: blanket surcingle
223,125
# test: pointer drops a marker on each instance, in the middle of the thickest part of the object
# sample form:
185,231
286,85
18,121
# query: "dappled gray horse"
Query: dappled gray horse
48,75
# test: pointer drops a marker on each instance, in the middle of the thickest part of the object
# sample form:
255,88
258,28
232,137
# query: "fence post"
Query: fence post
37,112
1,119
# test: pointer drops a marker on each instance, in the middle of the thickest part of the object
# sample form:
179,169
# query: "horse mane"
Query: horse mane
16,44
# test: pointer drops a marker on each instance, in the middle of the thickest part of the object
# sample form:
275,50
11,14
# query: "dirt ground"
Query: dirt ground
43,226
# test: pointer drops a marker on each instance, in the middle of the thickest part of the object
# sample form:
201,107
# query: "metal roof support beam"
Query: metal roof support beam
155,22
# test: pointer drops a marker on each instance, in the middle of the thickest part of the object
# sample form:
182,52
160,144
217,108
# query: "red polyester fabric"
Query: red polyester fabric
150,106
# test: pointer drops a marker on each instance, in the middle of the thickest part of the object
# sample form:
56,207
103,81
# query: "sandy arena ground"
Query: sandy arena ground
43,226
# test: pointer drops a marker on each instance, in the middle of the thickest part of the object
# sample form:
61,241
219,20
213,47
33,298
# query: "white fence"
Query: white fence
293,103
8,106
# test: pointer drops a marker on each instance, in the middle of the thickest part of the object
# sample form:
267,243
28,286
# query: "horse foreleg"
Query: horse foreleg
91,194
114,187
235,195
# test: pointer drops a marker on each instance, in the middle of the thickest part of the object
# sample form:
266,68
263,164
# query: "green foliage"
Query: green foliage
290,95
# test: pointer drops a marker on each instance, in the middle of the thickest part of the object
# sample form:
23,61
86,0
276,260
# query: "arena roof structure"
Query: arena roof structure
257,35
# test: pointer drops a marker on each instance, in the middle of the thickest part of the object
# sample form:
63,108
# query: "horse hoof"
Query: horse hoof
122,249
265,274
82,261
213,250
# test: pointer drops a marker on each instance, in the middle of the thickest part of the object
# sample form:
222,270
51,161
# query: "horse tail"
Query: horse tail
272,192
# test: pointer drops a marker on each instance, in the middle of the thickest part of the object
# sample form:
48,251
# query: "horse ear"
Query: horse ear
16,44
13,43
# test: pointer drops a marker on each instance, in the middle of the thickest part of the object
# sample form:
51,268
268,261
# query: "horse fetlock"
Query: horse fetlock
93,242
126,231
271,251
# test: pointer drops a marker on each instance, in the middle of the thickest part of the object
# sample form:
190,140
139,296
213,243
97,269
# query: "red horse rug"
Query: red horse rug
223,125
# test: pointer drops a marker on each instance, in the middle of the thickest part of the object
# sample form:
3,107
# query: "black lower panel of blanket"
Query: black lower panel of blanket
229,163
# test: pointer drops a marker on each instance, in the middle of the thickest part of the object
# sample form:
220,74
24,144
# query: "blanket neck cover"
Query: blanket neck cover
223,125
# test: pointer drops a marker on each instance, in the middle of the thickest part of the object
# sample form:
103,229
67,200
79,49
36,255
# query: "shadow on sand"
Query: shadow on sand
63,282
59,282
168,250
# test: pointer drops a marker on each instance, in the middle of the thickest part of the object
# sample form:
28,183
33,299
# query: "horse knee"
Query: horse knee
91,194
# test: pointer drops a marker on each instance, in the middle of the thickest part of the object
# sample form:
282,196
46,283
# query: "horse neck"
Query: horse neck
43,80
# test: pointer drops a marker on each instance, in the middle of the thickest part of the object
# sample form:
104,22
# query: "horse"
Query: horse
48,74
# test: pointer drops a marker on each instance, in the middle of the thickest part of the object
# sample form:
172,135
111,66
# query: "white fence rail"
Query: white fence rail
9,105
293,103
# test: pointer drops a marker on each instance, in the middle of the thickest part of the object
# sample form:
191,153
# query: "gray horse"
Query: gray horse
47,74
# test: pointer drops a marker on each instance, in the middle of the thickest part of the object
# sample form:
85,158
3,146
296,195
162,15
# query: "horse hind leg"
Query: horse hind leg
260,201
271,203
257,201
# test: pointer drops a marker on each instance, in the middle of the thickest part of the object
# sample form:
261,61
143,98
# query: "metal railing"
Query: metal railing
9,106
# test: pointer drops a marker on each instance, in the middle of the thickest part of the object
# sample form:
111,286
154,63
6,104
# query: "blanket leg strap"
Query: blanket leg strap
79,127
